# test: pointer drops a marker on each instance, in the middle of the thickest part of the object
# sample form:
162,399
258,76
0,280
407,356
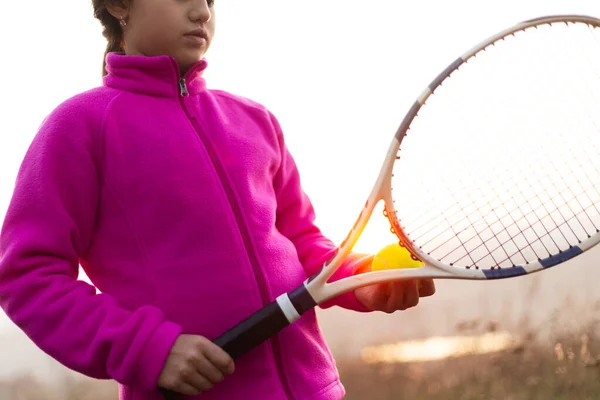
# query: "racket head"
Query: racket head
545,210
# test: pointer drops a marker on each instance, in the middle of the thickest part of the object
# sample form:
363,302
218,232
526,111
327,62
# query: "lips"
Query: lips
199,33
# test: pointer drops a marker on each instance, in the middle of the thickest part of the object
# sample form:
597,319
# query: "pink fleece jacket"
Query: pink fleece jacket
185,209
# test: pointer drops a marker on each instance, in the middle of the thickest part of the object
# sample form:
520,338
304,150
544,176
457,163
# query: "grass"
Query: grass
28,388
567,367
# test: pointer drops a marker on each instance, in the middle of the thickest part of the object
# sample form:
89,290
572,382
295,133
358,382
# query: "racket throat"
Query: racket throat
295,303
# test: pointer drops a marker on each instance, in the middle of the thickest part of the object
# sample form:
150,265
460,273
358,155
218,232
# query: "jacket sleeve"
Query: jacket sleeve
48,226
295,220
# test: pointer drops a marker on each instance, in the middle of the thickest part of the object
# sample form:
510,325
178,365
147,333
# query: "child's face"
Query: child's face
182,29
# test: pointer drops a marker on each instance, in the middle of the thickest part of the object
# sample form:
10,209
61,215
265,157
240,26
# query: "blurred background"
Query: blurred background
339,75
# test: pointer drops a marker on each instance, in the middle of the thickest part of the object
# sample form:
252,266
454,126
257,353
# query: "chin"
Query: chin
187,62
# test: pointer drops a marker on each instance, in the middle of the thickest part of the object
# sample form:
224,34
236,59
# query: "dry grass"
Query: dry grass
567,367
28,388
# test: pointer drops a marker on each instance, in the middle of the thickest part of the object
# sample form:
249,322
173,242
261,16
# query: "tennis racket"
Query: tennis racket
493,173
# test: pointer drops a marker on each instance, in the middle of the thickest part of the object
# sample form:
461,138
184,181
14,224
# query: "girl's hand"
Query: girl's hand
394,296
194,365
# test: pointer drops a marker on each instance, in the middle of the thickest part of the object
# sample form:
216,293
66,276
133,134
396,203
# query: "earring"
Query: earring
122,22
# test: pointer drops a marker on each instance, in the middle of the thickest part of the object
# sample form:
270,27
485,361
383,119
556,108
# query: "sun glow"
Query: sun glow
438,348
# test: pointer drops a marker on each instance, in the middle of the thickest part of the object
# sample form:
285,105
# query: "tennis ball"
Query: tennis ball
394,256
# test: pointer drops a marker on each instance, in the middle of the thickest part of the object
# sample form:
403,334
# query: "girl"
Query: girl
185,209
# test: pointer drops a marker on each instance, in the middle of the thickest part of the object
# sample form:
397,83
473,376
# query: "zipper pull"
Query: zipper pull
183,88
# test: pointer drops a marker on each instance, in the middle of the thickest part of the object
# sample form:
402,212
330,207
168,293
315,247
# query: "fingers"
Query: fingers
209,371
186,380
210,366
395,300
410,294
402,295
194,365
394,296
197,380
426,288
184,388
219,358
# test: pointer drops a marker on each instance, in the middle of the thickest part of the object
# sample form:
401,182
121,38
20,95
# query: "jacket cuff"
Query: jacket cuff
154,355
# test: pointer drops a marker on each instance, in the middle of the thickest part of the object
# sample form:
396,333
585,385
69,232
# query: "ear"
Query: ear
118,8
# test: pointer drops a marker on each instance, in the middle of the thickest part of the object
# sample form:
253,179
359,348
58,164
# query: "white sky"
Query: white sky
339,74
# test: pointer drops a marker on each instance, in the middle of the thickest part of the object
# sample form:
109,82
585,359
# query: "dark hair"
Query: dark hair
111,29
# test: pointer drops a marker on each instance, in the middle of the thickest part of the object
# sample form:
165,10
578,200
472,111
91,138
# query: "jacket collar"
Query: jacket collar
156,76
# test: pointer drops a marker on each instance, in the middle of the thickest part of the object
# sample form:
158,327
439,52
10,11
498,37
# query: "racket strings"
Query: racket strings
456,235
549,214
570,209
432,222
552,199
502,243
515,222
585,192
595,65
541,213
529,244
467,216
546,213
515,159
496,236
482,241
593,92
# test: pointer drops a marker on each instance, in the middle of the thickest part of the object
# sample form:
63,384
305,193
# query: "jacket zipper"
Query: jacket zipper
260,280
183,92
230,196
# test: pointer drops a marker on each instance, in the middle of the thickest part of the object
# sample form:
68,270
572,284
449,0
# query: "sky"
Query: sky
338,74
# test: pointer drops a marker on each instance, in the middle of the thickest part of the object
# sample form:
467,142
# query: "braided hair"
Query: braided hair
112,30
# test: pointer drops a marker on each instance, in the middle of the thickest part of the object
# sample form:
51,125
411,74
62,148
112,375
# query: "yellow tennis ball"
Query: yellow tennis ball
394,256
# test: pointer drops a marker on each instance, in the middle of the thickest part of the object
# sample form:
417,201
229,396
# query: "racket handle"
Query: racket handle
170,395
266,322
260,326
246,335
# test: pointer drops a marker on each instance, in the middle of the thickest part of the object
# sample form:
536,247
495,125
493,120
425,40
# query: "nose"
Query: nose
200,11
